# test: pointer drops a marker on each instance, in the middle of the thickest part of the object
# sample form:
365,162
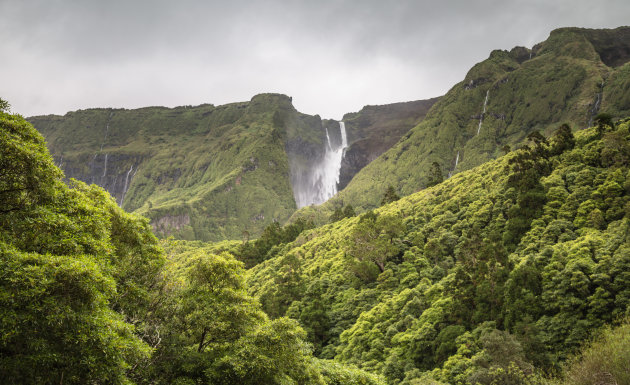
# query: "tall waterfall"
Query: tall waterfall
319,183
485,102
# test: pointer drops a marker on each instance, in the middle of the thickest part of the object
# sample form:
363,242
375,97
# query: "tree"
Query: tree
372,239
348,211
4,105
56,324
604,120
75,271
435,175
389,196
562,140
337,215
215,305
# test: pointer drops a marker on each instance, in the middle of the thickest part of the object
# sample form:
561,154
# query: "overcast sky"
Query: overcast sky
332,57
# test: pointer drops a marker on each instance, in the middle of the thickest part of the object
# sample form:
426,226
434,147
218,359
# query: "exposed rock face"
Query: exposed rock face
374,129
169,224
612,45
114,172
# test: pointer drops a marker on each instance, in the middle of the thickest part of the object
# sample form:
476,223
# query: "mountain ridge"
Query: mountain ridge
207,172
499,102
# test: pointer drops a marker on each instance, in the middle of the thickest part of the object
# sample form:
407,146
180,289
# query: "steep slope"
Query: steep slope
375,129
570,77
201,172
500,268
212,173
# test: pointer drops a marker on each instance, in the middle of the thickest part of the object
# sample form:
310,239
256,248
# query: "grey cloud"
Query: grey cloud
331,56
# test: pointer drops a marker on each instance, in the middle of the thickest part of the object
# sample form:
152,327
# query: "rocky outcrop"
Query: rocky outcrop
169,224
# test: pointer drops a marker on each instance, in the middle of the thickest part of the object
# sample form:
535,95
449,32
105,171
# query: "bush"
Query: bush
605,361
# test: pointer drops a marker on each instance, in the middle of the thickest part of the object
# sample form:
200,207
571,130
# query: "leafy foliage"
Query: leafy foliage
86,295
75,271
604,360
487,277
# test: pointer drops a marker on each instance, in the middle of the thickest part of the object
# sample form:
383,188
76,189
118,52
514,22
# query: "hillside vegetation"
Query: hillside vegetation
497,272
569,78
87,296
213,172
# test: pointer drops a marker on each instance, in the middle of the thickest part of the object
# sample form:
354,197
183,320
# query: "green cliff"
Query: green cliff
570,77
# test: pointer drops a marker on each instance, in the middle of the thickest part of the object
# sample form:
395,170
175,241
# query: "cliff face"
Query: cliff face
213,172
569,78
200,172
375,129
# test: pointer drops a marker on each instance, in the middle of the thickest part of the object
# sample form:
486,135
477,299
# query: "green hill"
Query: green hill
501,269
573,75
206,172
201,172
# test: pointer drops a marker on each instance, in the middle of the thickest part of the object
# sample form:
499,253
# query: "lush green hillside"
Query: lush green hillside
570,77
88,297
498,270
203,172
206,172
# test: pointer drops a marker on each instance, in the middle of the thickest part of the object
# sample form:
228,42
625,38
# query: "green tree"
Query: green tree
215,306
389,196
348,211
56,324
562,140
372,239
4,105
435,175
604,120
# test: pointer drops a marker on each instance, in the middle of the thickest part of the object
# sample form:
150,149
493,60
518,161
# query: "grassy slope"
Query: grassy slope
558,84
453,268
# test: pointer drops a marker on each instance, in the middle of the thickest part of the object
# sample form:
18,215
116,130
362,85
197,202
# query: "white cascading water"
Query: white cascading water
104,170
595,109
124,192
485,102
321,182
450,174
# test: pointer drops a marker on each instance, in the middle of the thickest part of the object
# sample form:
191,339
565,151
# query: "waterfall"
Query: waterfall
106,129
450,173
595,109
319,183
104,169
124,192
485,102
